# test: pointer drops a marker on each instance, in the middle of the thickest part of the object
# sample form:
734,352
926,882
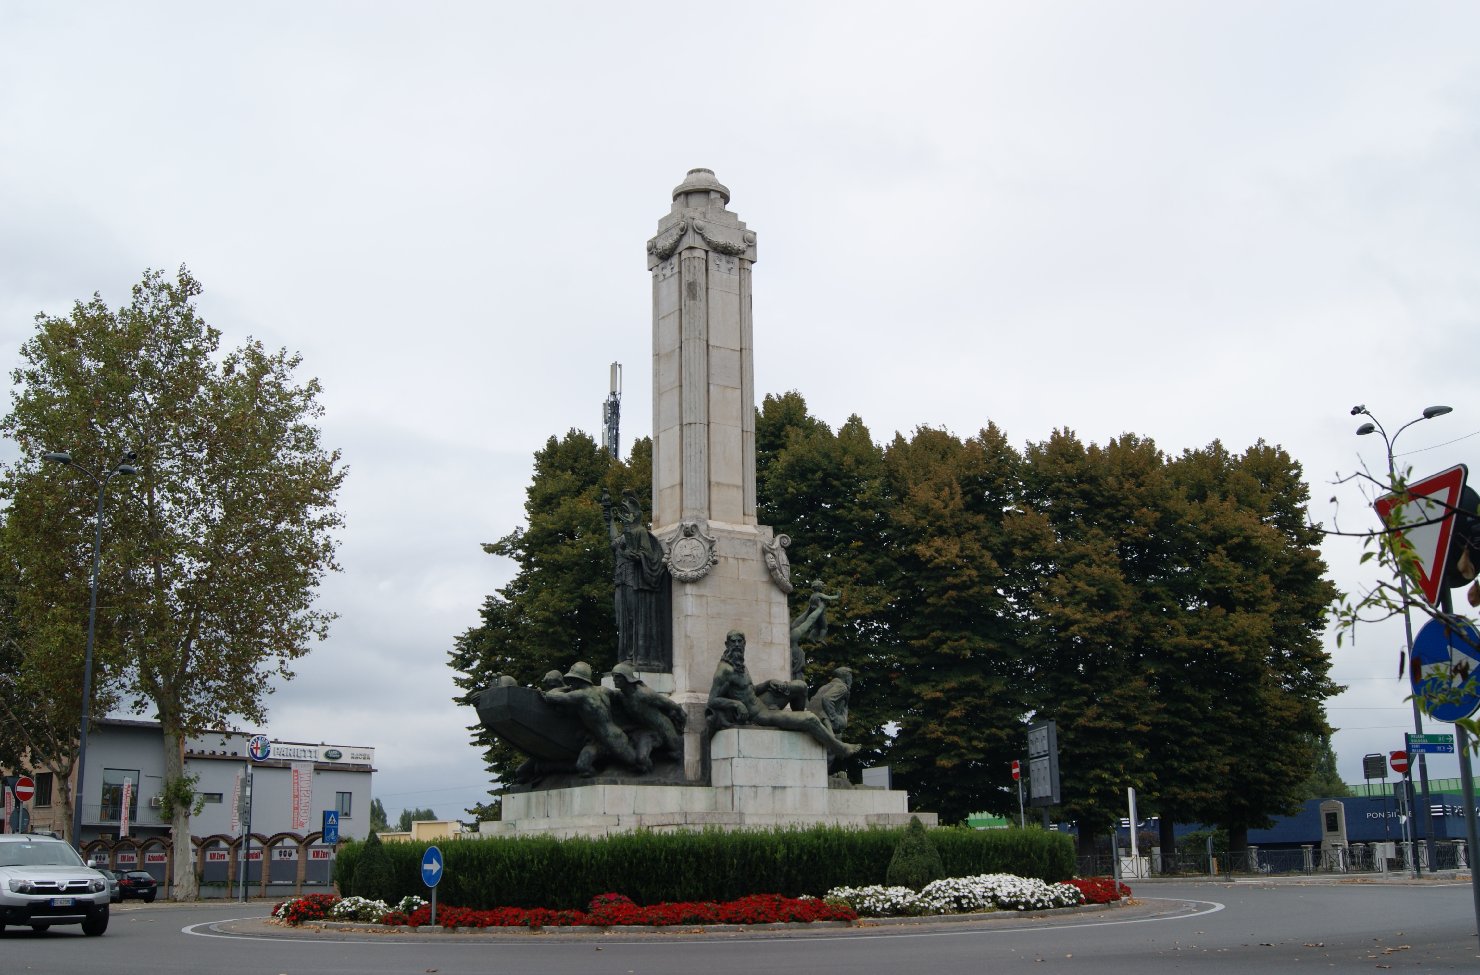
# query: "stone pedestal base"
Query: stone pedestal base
760,778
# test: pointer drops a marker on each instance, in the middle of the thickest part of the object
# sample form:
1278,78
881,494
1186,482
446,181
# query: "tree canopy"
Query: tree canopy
1164,611
212,550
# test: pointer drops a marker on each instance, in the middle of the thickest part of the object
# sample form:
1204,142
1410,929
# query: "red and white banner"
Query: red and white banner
217,856
128,798
285,853
9,809
320,853
302,795
236,805
156,858
126,858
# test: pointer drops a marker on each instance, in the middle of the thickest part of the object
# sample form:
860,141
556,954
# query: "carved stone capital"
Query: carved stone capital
692,553
774,553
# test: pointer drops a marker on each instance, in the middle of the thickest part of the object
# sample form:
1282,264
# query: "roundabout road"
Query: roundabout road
1207,927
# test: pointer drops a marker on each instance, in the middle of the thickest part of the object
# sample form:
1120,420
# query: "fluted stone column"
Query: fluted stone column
729,573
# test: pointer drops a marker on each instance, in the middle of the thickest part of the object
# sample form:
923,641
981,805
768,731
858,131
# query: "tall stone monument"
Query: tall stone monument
729,573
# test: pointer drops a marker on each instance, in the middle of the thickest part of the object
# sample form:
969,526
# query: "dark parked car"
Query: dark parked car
115,893
137,883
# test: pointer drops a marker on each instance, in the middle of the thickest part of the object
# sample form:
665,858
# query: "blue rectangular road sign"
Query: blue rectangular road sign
331,827
1432,747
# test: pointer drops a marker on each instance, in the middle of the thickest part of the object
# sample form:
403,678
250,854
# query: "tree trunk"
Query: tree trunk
184,886
63,778
1238,839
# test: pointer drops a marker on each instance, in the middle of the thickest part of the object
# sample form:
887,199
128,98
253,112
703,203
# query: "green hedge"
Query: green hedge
713,865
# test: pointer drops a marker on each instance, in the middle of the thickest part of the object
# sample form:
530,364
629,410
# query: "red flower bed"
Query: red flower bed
1099,890
607,910
313,907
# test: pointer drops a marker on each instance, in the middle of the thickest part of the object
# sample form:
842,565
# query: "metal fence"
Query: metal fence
1259,862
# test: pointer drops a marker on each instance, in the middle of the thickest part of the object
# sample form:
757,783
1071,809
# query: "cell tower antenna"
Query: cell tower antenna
611,413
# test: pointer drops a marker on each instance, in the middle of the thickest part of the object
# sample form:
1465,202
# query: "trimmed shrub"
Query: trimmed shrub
916,862
713,865
373,876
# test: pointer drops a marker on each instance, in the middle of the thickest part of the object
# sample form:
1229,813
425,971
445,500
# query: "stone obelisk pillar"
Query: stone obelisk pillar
729,573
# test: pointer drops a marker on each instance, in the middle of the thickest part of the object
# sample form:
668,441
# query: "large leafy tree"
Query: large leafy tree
1263,593
1095,614
955,684
213,550
558,607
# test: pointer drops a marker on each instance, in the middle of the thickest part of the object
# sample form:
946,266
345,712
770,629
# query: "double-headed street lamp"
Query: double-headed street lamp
123,468
1373,426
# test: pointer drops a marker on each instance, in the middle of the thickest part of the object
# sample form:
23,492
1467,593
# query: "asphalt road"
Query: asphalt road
1207,927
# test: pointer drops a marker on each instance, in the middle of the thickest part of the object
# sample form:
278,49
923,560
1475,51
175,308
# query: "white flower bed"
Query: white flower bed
959,895
409,903
359,909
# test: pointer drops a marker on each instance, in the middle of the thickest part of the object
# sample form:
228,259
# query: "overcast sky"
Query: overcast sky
1190,221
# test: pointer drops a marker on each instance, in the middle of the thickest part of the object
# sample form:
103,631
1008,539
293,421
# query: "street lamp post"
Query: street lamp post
121,469
1373,426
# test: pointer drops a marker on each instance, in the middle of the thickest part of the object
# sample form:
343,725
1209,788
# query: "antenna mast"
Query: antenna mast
611,412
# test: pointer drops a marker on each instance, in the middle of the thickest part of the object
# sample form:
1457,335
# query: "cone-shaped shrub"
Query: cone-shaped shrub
373,878
915,862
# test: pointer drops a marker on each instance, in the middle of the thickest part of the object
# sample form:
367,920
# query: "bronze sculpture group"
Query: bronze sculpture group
574,724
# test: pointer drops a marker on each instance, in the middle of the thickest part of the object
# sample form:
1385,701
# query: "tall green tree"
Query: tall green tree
378,822
955,685
213,551
1264,596
1091,620
1324,781
409,816
557,608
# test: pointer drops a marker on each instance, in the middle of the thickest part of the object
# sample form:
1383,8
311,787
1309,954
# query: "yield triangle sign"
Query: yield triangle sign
1425,515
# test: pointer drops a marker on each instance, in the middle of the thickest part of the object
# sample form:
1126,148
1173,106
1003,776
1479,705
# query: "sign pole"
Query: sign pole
247,834
1467,785
1022,812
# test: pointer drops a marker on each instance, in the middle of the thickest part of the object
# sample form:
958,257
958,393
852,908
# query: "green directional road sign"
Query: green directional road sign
1432,744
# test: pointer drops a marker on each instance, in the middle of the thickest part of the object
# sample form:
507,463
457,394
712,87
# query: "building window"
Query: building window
43,789
113,794
341,802
209,796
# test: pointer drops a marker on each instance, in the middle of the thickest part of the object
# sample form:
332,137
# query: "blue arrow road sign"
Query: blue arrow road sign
431,866
1443,663
331,827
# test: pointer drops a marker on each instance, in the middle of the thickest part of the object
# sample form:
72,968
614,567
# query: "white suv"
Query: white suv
44,882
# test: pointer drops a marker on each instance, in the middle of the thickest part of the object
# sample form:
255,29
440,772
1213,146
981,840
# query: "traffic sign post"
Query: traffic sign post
431,875
331,827
1422,517
1399,762
1017,776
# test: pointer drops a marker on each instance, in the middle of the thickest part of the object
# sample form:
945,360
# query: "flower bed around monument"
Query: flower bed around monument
961,895
605,910
956,895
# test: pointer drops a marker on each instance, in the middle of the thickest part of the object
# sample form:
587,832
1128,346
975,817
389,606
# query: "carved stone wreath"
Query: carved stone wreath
692,554
663,246
774,553
718,243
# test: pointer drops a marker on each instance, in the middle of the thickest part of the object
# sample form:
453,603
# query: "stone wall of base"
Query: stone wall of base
762,778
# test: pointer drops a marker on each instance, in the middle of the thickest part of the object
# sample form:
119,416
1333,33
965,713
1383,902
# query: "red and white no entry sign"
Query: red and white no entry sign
1399,762
1017,770
24,789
